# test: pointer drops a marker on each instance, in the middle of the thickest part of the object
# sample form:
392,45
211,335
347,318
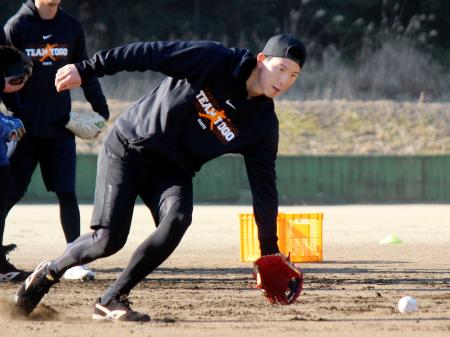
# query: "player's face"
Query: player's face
277,75
49,3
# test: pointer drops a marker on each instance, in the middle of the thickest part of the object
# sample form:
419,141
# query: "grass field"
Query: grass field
345,127
203,289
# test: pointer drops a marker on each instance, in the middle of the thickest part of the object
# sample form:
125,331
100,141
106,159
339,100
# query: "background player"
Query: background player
10,129
52,39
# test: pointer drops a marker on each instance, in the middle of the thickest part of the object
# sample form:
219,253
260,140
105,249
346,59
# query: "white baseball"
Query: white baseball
407,304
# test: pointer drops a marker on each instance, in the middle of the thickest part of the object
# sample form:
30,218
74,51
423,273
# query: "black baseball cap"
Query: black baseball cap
286,45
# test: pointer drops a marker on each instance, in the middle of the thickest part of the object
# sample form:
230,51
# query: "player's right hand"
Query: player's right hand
67,78
280,281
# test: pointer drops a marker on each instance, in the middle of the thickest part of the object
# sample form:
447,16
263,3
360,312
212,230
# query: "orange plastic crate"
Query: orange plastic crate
298,234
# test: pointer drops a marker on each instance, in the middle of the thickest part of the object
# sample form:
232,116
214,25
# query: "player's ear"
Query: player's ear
260,59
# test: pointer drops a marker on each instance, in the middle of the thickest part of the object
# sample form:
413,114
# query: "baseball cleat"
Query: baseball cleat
8,272
118,310
82,273
34,288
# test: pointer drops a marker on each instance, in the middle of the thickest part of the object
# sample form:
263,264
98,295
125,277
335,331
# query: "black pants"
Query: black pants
167,192
5,183
57,160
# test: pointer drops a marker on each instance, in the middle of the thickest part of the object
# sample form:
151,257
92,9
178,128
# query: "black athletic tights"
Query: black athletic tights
5,183
68,209
165,190
68,206
69,213
103,242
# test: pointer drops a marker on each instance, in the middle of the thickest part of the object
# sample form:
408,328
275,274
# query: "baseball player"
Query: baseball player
11,129
52,38
214,100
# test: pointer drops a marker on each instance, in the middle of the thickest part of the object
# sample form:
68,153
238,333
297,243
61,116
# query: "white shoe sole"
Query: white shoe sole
86,276
79,278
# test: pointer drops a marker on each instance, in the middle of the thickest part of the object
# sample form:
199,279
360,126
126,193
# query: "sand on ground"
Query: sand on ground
204,290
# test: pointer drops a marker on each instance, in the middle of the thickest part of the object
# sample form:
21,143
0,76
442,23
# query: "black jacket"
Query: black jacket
2,77
199,112
51,44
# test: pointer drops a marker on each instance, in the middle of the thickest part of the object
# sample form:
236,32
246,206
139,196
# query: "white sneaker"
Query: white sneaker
82,273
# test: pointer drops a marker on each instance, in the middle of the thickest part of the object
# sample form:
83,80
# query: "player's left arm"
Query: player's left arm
92,89
280,281
260,166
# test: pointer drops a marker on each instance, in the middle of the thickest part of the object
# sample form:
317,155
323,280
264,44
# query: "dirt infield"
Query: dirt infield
203,289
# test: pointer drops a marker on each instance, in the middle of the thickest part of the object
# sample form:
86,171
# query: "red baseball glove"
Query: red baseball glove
278,278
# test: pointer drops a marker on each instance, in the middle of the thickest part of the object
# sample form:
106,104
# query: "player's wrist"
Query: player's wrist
83,71
268,246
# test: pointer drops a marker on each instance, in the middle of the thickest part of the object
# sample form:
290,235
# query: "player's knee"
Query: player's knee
180,220
110,241
179,214
179,224
184,219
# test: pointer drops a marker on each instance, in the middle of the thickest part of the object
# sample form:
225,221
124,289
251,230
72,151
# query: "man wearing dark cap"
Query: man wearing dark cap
214,101
8,127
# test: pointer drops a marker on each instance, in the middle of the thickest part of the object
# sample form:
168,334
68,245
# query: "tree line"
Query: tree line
346,25
372,49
